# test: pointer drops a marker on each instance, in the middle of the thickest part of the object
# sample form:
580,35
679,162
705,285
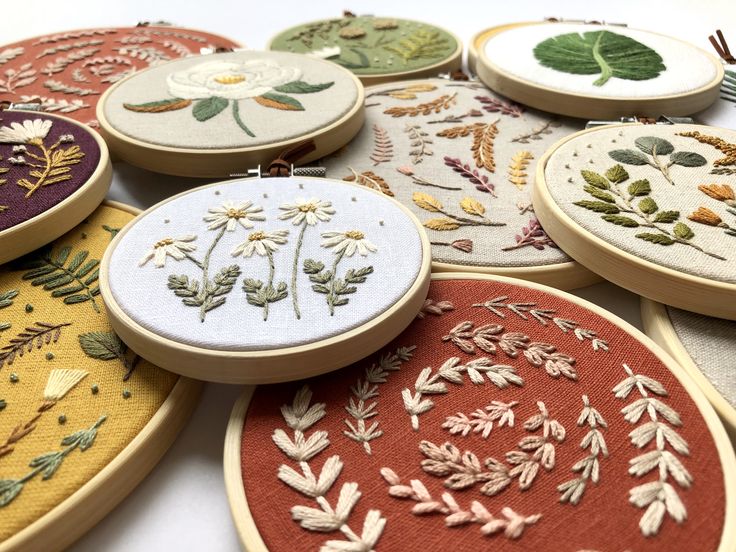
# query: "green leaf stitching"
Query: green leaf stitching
594,179
598,207
621,220
209,107
648,206
639,188
659,239
683,231
301,87
667,216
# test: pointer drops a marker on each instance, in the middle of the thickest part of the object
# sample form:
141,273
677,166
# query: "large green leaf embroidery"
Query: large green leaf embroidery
301,87
208,108
604,52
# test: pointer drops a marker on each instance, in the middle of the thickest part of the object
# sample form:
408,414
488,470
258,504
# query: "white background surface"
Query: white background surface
182,505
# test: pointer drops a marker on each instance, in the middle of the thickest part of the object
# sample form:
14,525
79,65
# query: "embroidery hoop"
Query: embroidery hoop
65,215
658,326
91,502
659,283
273,365
243,519
449,64
224,162
586,105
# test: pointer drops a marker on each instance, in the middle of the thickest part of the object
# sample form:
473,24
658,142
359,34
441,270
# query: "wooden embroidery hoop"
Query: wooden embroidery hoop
447,65
656,282
224,162
81,511
45,227
658,326
588,106
274,365
246,527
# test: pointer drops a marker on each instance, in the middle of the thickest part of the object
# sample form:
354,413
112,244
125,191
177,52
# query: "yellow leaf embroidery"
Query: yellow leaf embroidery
472,207
441,224
517,174
427,202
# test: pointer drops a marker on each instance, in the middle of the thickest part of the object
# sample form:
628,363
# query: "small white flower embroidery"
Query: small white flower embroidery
20,149
176,248
231,214
30,132
261,243
348,243
313,210
20,160
66,138
325,53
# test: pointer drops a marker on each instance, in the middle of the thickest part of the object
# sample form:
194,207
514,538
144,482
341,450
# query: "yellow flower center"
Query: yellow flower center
235,213
307,207
230,79
257,236
164,242
354,235
35,141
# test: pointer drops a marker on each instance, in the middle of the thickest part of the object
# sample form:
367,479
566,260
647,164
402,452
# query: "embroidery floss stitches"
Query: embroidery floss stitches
301,416
481,420
658,497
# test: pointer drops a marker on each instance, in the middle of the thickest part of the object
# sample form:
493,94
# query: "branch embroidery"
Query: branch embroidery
300,416
453,221
33,337
518,165
436,308
537,133
419,141
383,148
439,104
651,150
481,420
108,346
369,179
493,105
659,496
481,182
531,235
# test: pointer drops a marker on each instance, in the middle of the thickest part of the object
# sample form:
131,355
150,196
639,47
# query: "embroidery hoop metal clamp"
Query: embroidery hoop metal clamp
283,165
661,120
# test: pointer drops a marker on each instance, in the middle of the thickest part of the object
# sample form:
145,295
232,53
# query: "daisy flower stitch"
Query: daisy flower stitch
176,248
312,210
261,243
348,242
230,214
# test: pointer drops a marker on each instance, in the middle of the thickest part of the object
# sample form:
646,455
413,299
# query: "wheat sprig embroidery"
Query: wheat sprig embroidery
300,416
511,523
439,104
436,308
588,467
658,496
482,146
360,407
481,420
518,165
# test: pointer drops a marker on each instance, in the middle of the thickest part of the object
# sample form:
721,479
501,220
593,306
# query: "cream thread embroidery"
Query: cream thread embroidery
51,105
326,281
17,78
303,212
68,46
416,404
62,62
73,35
405,93
658,497
538,354
456,118
48,463
512,524
58,86
367,389
498,304
301,416
420,181
419,141
59,383
10,54
436,308
369,179
464,470
33,337
265,244
537,133
482,419
588,467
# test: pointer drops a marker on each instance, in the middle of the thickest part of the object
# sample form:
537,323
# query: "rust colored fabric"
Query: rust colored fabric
604,519
68,71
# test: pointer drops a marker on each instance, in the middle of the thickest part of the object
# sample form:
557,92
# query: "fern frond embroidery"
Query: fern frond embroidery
435,308
371,180
439,104
481,420
300,416
532,235
518,165
383,148
511,523
33,337
419,142
422,43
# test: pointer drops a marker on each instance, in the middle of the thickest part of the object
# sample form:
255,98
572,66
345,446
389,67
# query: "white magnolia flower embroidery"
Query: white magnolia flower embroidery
176,248
262,243
30,132
230,79
348,242
312,209
326,52
230,214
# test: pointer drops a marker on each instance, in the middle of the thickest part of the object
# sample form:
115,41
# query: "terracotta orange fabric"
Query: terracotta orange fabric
603,519
68,71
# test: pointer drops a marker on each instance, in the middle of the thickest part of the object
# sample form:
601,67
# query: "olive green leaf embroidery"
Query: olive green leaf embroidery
633,207
34,337
452,221
113,231
703,215
212,86
651,151
108,346
47,464
320,29
422,43
264,244
60,382
326,281
47,165
304,212
211,293
6,299
600,52
73,278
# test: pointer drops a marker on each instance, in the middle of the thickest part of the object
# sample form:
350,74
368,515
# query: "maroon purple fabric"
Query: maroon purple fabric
19,208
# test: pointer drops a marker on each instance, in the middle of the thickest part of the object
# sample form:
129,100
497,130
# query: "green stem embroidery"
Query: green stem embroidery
650,149
295,268
606,71
239,121
205,269
331,297
328,283
49,463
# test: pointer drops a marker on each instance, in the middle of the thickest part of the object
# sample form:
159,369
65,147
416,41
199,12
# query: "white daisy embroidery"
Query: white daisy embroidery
348,243
231,214
176,248
30,132
312,210
261,243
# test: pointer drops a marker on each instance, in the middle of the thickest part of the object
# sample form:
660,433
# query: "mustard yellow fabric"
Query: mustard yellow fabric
147,388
